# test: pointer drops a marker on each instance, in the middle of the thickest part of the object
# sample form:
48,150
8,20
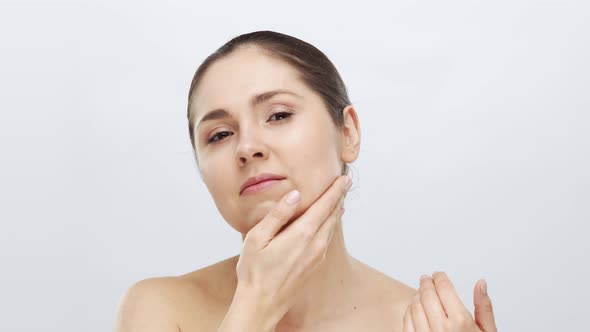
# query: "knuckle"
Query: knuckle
449,326
277,213
337,207
331,220
305,234
462,320
486,307
251,237
319,247
428,292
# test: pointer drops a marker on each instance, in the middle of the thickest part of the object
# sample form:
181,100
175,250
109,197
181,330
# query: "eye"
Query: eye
223,134
284,114
213,139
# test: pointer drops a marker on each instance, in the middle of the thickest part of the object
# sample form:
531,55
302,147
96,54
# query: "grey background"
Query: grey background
475,149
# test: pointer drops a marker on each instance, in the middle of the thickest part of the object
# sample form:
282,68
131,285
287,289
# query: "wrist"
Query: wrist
249,311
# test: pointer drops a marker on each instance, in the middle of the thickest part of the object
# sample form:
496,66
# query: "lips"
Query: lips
259,178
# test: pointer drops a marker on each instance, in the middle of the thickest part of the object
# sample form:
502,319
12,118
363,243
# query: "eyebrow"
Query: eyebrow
258,99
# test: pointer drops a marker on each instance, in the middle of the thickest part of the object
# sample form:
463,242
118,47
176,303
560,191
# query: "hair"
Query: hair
313,66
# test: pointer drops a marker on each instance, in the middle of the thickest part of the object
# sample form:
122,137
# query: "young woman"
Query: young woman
273,132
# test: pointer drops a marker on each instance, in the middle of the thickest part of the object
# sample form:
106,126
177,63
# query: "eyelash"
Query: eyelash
212,141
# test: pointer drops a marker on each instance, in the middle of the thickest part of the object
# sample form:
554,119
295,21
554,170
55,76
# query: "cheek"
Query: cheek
313,162
307,154
311,152
219,180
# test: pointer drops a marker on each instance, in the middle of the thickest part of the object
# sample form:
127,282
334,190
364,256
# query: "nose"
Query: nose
250,148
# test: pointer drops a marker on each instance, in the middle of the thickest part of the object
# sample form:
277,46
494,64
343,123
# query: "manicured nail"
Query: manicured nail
484,287
293,197
423,277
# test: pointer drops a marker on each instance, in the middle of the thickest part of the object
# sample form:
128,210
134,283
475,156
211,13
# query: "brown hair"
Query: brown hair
314,67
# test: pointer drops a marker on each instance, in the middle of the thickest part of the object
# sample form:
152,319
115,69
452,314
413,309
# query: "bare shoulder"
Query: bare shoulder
218,280
147,305
192,301
392,296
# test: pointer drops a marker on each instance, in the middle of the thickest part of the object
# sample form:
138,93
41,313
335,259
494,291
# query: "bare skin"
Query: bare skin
362,300
377,305
341,294
282,281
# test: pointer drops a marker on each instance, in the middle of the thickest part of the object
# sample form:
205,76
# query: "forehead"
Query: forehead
234,79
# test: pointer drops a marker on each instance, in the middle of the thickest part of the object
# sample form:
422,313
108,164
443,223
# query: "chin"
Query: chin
246,221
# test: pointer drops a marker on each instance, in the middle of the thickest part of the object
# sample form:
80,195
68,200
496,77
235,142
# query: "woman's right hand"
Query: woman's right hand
273,265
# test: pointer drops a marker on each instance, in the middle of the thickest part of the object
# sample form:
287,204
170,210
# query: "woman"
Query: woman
273,132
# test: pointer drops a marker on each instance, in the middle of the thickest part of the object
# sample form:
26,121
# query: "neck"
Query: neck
336,288
328,293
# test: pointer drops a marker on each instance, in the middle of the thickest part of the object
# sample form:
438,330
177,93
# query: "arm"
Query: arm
246,313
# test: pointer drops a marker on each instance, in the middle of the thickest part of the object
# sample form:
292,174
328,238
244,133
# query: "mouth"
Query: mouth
259,182
260,186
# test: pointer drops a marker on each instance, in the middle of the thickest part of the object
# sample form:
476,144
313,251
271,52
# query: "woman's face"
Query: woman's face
289,134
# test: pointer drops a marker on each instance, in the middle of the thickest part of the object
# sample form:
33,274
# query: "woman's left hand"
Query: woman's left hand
437,308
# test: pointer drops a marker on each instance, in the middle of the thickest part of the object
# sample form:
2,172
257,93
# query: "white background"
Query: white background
475,149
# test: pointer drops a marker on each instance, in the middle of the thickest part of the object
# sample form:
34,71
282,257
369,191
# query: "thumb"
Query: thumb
484,312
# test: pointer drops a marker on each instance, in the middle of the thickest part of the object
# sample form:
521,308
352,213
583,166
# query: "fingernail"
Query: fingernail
484,287
293,197
423,277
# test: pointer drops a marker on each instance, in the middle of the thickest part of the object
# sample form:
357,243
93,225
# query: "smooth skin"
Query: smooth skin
294,272
437,307
273,266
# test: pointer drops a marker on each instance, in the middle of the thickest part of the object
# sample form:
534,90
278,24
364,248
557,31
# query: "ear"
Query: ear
351,135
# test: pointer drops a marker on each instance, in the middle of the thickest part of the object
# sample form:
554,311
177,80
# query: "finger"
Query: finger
316,250
338,221
326,230
431,303
408,324
418,315
447,294
484,312
308,224
276,218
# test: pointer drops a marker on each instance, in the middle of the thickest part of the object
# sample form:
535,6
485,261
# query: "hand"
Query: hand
437,308
274,264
